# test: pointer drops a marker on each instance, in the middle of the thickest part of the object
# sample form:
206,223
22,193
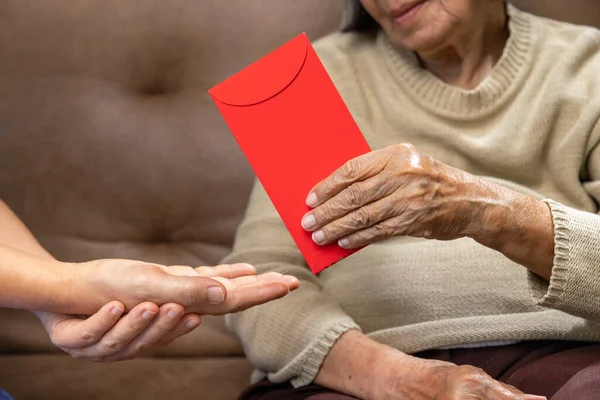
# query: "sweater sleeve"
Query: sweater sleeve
574,285
289,338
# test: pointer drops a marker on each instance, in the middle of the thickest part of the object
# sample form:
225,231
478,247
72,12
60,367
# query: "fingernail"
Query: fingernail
116,311
308,221
192,324
344,243
173,314
318,236
311,200
216,295
290,280
243,267
148,314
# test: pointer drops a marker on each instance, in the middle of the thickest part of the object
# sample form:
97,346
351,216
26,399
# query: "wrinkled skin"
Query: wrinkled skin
399,191
440,380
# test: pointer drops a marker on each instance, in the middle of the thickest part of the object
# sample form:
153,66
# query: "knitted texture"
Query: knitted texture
532,124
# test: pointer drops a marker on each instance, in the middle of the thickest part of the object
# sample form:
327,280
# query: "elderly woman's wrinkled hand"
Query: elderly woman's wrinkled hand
432,379
398,191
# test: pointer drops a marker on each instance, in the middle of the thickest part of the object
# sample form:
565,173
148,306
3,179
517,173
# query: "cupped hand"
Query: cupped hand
438,380
109,336
113,335
205,290
399,191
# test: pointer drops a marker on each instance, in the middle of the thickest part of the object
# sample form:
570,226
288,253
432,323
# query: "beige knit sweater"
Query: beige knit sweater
532,125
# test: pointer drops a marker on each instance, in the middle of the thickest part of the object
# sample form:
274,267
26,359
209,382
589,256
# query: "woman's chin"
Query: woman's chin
418,41
413,43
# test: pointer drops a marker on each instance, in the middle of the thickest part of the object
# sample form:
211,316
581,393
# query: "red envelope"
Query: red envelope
295,130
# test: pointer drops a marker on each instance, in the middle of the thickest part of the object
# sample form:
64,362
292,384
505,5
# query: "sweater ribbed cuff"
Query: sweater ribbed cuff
574,285
315,355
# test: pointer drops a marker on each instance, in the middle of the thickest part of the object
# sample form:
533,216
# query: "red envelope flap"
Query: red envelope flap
266,77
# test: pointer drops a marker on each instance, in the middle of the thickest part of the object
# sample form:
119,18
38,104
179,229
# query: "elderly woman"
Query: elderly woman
484,182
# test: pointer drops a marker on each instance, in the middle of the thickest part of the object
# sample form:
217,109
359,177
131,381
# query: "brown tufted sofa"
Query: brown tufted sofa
111,147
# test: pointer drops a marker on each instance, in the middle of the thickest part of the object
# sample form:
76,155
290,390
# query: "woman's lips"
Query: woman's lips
407,11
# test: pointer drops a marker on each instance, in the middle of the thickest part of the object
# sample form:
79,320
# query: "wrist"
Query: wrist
395,373
51,282
521,228
64,288
86,293
358,366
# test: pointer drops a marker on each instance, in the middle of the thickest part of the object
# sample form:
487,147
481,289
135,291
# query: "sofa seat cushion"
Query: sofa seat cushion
51,377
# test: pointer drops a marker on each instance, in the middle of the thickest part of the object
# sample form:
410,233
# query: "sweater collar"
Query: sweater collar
449,101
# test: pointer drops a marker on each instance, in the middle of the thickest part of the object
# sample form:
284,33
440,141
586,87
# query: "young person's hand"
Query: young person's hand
111,335
204,290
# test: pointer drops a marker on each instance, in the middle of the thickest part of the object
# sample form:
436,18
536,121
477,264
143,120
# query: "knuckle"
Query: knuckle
407,147
142,347
163,329
382,230
142,279
234,302
86,337
362,217
354,196
325,212
190,293
350,169
112,345
135,328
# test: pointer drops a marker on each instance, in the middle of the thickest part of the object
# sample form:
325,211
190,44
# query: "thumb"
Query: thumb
189,291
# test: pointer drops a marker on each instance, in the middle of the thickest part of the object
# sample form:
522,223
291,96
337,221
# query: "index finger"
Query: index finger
243,297
247,295
80,333
229,271
355,170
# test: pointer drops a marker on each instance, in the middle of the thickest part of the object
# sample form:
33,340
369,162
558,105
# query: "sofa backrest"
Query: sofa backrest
584,12
110,145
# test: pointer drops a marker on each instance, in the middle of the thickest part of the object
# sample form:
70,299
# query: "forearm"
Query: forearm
34,283
362,368
521,228
30,278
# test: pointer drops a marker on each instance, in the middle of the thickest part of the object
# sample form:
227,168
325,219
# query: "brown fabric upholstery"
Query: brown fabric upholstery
44,377
110,147
584,12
